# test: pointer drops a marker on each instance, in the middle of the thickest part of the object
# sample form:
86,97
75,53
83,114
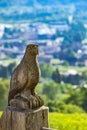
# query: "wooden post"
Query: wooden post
25,120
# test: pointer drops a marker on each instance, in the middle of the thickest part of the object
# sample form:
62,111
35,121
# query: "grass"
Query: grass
0,113
68,121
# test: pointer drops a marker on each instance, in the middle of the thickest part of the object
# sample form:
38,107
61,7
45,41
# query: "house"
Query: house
45,58
1,30
60,26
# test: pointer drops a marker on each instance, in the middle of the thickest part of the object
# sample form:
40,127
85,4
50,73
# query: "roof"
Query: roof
71,72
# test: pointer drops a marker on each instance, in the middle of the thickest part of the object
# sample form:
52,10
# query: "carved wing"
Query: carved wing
18,81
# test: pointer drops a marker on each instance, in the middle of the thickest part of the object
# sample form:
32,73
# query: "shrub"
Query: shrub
70,108
61,107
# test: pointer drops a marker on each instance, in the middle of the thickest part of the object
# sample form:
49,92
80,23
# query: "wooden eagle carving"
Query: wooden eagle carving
24,80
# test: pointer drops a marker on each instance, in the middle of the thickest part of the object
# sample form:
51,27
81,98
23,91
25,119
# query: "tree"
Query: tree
76,96
73,38
10,67
50,89
6,71
56,76
84,94
46,70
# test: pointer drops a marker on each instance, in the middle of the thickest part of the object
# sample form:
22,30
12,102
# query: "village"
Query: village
14,38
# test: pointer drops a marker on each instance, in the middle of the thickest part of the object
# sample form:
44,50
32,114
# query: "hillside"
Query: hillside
42,11
5,3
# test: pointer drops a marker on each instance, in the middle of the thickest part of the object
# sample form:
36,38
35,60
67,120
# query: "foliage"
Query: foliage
76,96
63,97
68,121
56,76
0,113
6,71
70,78
50,89
59,96
46,70
76,34
84,94
85,75
72,43
4,85
61,107
75,79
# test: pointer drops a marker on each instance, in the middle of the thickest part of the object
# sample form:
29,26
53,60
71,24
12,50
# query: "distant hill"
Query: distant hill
6,3
42,10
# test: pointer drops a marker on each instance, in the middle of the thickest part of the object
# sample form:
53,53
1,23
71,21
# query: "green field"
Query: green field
0,114
59,121
68,121
78,69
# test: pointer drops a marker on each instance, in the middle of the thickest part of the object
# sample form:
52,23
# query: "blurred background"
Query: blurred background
60,29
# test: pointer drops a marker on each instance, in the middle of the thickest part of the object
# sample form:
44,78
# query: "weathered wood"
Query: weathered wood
24,80
25,120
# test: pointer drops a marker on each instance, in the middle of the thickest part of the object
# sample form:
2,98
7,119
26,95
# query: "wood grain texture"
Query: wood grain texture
23,81
25,120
